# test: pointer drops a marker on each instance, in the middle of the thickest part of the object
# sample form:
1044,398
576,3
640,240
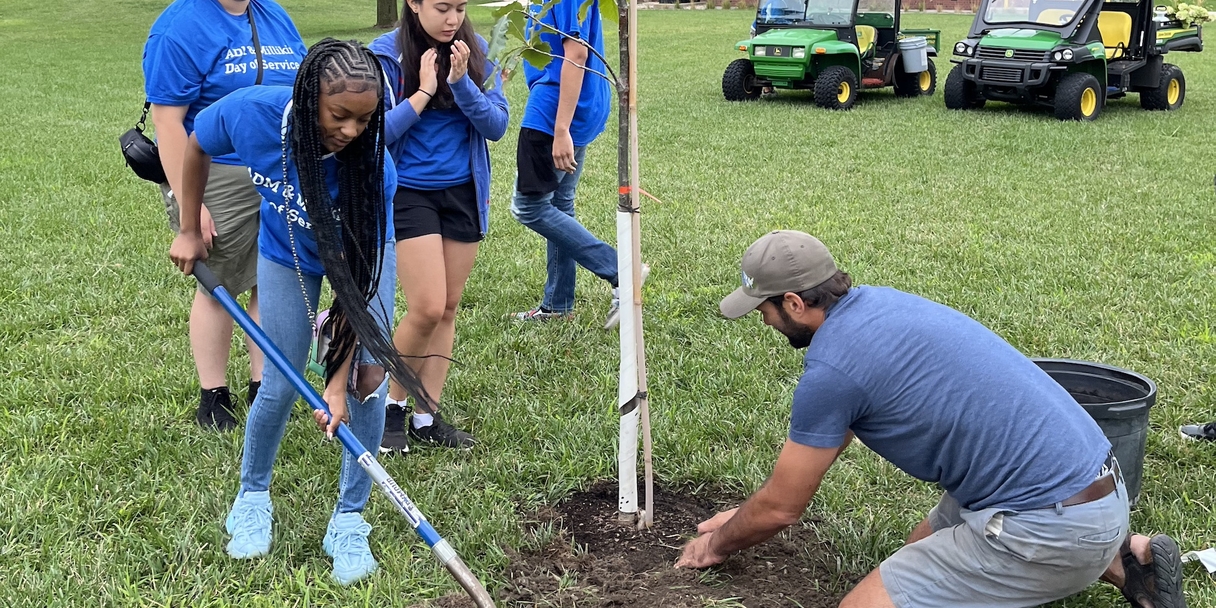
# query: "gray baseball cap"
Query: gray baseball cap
779,262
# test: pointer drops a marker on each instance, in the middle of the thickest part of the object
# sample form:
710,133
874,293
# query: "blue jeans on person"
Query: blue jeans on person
285,321
568,242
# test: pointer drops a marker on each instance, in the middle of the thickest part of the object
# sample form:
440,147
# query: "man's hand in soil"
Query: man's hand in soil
712,524
779,503
698,554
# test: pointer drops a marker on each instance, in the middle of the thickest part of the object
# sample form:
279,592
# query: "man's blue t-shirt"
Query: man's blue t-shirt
248,123
544,84
946,400
197,53
436,151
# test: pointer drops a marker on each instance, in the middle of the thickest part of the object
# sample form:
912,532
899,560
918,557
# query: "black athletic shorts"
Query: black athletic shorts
451,213
534,163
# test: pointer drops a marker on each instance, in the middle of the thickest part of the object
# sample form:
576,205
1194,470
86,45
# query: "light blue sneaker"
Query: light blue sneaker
346,542
249,524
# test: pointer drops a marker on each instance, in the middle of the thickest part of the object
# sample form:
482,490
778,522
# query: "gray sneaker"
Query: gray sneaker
614,311
540,314
1199,432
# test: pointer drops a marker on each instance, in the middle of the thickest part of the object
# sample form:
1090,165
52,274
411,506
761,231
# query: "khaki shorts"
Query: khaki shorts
1004,559
235,206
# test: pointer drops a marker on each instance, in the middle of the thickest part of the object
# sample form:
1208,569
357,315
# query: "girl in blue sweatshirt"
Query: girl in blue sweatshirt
440,118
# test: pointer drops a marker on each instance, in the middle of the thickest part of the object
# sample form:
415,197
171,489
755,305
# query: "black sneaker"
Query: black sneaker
215,409
441,434
1199,432
395,439
251,393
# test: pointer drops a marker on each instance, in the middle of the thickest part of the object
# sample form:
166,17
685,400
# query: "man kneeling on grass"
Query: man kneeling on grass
1034,507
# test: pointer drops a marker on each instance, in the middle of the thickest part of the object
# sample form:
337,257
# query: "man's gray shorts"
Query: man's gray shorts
235,206
1002,559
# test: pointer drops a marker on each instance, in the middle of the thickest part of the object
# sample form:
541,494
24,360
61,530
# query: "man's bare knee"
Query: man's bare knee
869,593
371,376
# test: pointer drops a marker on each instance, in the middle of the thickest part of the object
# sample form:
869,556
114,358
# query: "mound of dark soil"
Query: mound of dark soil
593,561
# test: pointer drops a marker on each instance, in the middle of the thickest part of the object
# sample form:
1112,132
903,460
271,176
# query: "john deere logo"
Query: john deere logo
1009,54
777,51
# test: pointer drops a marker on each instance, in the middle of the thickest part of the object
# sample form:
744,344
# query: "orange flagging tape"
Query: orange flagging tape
626,190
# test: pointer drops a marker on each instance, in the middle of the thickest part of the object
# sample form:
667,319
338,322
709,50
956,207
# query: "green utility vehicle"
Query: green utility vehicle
1070,55
835,48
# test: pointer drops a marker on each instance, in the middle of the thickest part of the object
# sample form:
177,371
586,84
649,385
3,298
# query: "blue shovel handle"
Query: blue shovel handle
440,547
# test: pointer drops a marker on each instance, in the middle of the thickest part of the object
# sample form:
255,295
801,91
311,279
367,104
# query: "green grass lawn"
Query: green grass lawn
1089,241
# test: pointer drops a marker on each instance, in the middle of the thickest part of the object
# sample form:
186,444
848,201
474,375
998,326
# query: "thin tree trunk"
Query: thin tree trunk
633,396
635,204
386,14
627,456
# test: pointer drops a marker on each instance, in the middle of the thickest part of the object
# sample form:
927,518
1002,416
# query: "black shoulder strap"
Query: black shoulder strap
143,117
257,46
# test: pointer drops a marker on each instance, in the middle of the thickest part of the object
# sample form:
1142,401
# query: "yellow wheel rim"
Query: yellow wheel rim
1174,91
925,81
843,94
1089,102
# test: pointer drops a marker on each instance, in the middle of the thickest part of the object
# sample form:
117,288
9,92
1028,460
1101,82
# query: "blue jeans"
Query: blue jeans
285,320
552,216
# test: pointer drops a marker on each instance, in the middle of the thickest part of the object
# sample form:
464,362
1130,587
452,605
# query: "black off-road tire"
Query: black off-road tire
739,81
829,86
1159,97
1071,93
960,93
910,85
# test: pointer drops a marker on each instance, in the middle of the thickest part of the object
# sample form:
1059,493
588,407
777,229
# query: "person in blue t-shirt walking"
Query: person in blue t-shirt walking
323,143
197,52
568,104
441,118
1034,508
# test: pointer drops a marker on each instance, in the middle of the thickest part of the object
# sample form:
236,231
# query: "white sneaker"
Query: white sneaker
614,312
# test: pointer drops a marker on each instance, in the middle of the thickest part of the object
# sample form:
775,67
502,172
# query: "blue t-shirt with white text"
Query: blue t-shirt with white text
946,400
248,123
197,53
594,100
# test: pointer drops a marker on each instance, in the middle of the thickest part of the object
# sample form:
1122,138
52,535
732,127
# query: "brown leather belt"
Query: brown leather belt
1100,488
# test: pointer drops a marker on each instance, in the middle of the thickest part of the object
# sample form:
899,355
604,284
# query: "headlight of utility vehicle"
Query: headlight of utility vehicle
1064,55
799,52
963,49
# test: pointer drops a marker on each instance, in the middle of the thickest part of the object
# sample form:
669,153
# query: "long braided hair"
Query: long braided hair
413,41
350,231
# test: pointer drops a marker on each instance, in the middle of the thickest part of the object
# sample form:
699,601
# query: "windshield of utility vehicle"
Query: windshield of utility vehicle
806,12
876,6
1054,13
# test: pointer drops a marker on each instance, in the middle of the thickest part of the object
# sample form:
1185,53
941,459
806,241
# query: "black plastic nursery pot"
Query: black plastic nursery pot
1119,401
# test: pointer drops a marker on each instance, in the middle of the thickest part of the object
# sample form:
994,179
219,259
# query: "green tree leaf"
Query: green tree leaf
608,10
582,10
498,39
517,22
503,10
536,58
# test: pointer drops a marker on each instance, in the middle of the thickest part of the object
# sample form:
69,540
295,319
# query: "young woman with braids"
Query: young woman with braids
441,116
316,154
